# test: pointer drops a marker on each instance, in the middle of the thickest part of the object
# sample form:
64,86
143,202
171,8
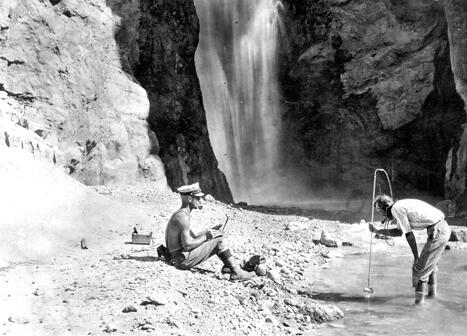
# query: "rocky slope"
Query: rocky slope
119,288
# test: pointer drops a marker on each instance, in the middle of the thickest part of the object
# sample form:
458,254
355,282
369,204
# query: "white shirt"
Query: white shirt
412,214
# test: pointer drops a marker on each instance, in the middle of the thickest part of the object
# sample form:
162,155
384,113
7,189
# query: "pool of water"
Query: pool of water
391,310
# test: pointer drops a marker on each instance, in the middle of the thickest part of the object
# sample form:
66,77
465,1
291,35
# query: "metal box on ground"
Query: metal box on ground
141,239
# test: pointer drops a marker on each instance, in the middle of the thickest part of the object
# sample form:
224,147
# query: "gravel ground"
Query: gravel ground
120,288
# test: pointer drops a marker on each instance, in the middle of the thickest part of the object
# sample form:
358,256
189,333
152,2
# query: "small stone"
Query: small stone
109,329
147,326
291,302
326,240
261,270
294,226
156,299
275,276
292,291
18,319
271,319
129,309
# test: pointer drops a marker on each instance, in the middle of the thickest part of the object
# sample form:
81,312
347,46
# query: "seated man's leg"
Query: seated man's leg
199,254
214,246
228,259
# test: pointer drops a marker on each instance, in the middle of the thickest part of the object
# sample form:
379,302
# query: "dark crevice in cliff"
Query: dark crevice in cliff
162,61
422,146
23,97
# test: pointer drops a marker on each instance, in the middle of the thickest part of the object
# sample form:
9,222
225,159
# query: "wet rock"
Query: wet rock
329,241
321,313
458,236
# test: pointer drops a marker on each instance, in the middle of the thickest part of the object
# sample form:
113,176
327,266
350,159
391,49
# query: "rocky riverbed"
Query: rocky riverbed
120,288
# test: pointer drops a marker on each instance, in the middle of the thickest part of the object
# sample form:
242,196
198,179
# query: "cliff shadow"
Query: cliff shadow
157,41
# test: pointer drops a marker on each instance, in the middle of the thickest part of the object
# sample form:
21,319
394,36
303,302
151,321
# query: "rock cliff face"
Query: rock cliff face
168,37
62,81
108,90
369,85
456,166
69,90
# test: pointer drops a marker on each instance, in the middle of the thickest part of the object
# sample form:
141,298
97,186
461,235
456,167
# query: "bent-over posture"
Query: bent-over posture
188,249
412,214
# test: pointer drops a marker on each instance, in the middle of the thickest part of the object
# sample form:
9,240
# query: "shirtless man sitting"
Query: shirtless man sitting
188,249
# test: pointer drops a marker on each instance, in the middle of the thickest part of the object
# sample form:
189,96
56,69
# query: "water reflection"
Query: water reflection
391,310
341,297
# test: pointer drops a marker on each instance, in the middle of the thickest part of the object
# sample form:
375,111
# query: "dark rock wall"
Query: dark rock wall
167,40
456,166
369,85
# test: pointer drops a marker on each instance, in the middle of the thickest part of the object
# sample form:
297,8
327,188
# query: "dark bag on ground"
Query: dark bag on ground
163,253
254,261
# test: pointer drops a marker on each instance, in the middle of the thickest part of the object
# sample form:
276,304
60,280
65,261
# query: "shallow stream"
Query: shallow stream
391,310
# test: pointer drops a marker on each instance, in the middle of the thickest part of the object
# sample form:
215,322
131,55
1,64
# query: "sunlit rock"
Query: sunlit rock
329,241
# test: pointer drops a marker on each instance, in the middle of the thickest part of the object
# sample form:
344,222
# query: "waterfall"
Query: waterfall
236,62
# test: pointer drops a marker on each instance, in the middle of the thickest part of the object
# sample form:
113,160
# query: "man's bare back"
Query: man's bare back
173,239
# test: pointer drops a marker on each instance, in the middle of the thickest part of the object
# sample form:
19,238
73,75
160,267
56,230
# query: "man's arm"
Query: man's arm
395,232
189,239
412,243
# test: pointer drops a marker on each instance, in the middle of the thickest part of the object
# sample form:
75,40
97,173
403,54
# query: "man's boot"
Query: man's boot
236,274
432,284
420,292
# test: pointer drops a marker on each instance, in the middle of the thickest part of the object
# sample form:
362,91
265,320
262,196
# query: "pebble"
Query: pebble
261,270
157,300
147,326
18,319
109,329
275,276
129,309
291,302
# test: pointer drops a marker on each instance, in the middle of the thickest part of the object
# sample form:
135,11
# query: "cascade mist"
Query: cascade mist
236,62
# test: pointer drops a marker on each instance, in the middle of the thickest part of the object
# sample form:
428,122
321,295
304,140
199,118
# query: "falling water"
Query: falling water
236,63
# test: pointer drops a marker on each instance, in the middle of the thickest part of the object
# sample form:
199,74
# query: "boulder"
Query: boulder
321,313
329,241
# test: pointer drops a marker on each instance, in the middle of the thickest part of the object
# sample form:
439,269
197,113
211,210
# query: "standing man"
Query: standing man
188,249
412,214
